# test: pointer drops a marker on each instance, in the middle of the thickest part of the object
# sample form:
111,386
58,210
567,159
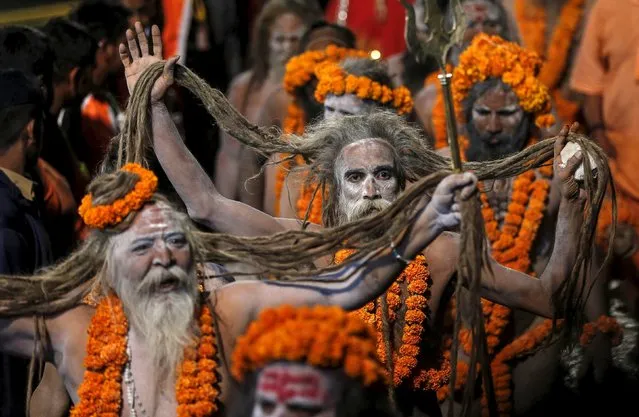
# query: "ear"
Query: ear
29,133
73,80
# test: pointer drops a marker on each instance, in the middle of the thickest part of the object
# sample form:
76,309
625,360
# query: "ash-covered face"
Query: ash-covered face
285,34
346,105
151,270
483,17
367,178
155,241
295,390
498,125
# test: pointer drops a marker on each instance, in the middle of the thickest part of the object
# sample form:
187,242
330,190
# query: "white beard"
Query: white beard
362,208
164,320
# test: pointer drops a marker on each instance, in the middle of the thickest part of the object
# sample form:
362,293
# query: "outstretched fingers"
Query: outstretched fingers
124,55
156,37
134,51
142,41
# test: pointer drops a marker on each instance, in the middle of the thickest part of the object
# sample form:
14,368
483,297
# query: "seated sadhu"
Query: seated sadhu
309,361
156,342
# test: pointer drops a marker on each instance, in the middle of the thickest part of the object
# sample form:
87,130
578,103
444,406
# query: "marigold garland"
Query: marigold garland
101,390
604,324
103,216
493,57
511,245
326,337
532,21
334,80
310,198
406,361
300,69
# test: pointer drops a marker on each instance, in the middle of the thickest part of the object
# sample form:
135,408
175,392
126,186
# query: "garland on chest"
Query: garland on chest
415,297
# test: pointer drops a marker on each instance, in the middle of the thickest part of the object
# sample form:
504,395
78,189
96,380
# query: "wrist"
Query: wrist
158,105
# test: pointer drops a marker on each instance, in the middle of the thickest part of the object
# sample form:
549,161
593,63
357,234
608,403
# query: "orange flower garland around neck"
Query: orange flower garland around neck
416,277
324,337
103,216
101,390
334,80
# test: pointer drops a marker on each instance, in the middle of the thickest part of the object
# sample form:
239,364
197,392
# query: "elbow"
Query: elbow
201,213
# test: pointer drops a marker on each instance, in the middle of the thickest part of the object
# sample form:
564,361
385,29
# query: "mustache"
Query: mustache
160,275
500,137
364,208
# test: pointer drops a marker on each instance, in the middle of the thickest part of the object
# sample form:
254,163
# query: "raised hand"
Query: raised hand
565,171
445,202
136,58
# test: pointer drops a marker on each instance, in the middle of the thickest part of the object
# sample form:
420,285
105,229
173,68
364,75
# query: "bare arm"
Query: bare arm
367,278
518,290
521,291
227,161
204,203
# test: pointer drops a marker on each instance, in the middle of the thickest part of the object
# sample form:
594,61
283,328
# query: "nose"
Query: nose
494,124
162,255
371,191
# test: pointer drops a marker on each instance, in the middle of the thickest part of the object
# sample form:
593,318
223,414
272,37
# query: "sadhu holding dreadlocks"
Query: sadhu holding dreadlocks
361,165
155,344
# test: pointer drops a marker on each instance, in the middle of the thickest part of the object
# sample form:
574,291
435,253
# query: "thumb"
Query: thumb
169,69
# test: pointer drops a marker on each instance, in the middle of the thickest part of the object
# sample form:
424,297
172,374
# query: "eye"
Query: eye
384,175
329,109
267,406
482,112
354,177
177,240
141,248
506,113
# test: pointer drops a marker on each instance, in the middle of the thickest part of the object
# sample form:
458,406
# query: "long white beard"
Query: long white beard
164,320
362,208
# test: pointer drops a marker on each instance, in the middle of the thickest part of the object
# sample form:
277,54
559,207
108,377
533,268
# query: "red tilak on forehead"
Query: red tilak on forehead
286,385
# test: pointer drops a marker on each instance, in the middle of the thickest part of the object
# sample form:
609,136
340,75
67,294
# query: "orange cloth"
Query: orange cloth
99,125
606,65
177,23
385,35
60,208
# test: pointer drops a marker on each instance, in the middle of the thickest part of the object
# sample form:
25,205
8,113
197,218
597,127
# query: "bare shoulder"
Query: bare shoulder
70,326
239,84
274,108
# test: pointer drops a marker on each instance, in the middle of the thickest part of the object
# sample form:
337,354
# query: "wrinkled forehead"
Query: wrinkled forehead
498,97
366,152
152,220
477,9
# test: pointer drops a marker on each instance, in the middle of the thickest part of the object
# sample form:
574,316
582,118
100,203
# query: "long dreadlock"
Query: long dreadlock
280,255
419,161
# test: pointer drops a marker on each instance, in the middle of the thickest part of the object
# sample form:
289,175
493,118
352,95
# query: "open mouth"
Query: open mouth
169,284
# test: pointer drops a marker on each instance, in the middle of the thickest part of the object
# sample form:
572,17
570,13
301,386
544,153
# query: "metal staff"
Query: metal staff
438,44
